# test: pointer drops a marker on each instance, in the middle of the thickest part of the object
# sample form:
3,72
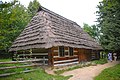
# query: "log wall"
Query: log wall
67,59
84,54
33,54
52,57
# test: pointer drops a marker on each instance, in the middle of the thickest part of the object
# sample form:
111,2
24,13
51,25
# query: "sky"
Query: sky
79,11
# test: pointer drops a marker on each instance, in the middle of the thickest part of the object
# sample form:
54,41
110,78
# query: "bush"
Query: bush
5,55
101,61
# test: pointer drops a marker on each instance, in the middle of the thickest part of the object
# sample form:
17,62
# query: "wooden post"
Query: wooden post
16,55
30,53
52,57
79,54
49,56
13,56
90,54
23,55
82,54
44,60
99,55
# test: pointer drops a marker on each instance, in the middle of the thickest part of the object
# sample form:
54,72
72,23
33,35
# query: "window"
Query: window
61,51
66,51
70,51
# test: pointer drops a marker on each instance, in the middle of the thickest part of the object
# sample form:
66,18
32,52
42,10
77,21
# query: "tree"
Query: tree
93,31
5,5
33,8
109,22
13,20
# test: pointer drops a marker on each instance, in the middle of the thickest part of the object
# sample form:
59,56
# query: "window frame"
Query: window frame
63,51
72,51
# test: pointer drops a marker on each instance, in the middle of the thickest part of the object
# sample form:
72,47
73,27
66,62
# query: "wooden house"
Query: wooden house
55,39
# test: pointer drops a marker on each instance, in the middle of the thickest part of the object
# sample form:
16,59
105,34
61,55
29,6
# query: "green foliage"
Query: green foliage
5,5
13,20
112,73
93,31
5,60
33,7
101,61
109,22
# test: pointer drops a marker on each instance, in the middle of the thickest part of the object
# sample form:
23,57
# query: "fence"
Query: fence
26,63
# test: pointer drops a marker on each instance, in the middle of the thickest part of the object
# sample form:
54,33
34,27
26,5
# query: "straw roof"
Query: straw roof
47,29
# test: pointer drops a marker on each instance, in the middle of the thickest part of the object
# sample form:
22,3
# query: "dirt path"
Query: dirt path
88,73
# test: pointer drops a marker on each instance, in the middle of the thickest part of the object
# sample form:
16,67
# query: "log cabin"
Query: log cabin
56,40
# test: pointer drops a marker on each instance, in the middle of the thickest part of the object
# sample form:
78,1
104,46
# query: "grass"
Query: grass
101,61
5,60
13,70
112,73
9,65
39,74
72,68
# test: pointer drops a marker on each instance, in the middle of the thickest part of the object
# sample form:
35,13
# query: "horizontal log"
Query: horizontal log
15,62
8,74
66,50
65,64
57,58
55,50
34,54
75,51
63,61
13,67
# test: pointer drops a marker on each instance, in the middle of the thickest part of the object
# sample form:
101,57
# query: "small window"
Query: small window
61,51
66,51
70,51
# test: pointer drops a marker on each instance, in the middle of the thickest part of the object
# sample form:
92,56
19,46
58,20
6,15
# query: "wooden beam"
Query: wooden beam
12,67
15,62
52,51
8,74
66,60
33,54
65,64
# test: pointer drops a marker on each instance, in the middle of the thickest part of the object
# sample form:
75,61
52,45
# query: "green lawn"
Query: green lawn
112,73
36,75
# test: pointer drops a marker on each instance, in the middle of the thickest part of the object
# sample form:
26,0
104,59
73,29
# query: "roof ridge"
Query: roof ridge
53,13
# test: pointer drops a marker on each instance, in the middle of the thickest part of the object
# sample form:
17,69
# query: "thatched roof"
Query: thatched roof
47,29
